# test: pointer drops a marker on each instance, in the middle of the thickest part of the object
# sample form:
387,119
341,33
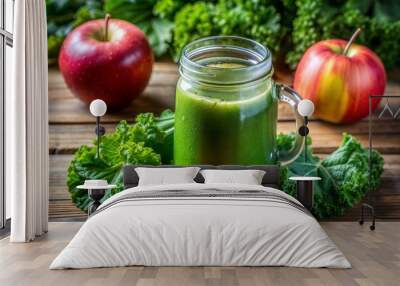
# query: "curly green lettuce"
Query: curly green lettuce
192,22
167,9
156,133
257,19
148,142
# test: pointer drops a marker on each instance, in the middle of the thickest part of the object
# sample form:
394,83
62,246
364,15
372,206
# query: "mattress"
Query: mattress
201,225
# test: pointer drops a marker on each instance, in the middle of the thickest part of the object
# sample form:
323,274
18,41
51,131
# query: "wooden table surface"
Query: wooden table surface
71,125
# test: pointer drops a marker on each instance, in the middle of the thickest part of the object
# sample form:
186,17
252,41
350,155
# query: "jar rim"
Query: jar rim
261,65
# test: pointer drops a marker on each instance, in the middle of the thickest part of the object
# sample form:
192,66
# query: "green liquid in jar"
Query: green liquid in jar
224,127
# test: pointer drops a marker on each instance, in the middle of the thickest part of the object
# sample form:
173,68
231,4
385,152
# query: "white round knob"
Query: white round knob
98,107
305,107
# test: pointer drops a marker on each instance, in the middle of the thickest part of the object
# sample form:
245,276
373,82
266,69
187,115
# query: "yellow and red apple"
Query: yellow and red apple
339,77
106,59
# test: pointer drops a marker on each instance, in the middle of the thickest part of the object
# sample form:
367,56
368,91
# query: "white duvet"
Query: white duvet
200,231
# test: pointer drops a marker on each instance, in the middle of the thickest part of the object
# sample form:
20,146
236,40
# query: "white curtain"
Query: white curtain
27,124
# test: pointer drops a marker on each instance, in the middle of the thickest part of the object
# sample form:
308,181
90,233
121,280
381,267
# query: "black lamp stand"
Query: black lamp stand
304,186
100,131
96,195
304,193
303,131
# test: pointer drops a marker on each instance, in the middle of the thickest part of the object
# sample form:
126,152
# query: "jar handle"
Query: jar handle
291,97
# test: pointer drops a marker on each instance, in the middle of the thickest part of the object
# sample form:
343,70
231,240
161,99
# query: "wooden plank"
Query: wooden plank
158,96
169,72
65,108
64,209
71,110
60,203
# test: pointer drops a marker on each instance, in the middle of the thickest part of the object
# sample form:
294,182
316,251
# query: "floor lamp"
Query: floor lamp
98,108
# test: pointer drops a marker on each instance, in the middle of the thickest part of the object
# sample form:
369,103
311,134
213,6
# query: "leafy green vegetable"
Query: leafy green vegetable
344,173
135,11
166,9
54,44
93,9
305,31
257,19
61,11
290,27
63,16
140,13
129,144
157,133
159,34
60,14
324,19
287,27
192,22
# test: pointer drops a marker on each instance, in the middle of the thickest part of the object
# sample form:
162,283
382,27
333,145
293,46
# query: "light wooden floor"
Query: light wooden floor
375,257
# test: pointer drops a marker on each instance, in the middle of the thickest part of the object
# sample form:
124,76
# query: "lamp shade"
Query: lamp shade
305,107
98,107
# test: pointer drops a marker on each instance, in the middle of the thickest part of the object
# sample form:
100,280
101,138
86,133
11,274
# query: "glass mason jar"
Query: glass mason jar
227,105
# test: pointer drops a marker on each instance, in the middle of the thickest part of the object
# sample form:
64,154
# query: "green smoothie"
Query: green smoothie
225,126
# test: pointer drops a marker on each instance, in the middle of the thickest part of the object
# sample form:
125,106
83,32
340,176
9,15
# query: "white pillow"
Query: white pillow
248,177
165,176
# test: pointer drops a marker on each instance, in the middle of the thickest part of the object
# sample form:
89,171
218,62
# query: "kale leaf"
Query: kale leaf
128,144
156,133
344,173
257,19
166,9
193,21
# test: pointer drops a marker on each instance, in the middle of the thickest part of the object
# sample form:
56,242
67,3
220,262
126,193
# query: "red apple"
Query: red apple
339,77
106,59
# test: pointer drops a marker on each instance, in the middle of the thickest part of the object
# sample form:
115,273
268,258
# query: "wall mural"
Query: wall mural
226,108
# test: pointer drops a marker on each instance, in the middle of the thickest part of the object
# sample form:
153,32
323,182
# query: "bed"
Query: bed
198,224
